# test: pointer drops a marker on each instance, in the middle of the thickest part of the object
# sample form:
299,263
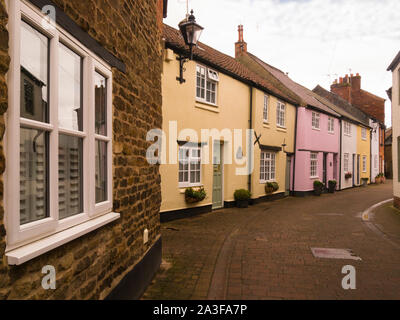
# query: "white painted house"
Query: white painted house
395,68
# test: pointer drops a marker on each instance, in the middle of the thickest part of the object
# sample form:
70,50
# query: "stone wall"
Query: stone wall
91,266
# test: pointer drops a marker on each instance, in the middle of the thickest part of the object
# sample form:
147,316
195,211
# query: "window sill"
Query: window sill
314,178
266,125
40,247
316,129
281,129
331,132
182,189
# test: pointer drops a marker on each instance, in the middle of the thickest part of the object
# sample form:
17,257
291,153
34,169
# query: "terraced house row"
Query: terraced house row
300,135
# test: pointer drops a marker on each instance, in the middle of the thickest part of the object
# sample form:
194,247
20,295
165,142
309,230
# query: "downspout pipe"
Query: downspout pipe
295,151
340,155
249,183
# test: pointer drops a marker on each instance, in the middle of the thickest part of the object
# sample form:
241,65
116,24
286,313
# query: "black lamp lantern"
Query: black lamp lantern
191,32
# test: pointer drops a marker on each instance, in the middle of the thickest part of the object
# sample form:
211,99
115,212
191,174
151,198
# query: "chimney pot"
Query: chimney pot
340,80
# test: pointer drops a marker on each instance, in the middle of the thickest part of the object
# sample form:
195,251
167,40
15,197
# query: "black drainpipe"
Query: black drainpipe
251,127
340,155
295,152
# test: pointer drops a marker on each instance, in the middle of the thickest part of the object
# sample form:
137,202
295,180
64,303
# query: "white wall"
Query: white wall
396,128
349,145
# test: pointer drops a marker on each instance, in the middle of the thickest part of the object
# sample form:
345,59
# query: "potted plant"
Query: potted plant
332,186
364,181
348,175
271,187
378,179
383,179
242,198
194,196
318,187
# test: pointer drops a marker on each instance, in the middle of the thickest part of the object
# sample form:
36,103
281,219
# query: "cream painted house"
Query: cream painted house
220,123
395,97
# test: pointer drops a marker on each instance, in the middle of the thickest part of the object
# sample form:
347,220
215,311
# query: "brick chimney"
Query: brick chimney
240,46
343,88
347,87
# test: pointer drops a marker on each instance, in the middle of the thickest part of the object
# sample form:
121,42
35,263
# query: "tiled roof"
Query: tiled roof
223,63
342,106
306,95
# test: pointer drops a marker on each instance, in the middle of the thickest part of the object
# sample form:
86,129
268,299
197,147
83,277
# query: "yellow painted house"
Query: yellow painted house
224,129
364,152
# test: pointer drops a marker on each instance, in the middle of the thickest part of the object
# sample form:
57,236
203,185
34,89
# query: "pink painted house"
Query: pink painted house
317,141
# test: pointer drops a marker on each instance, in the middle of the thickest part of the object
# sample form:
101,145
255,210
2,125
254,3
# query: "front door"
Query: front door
358,169
325,170
217,175
288,169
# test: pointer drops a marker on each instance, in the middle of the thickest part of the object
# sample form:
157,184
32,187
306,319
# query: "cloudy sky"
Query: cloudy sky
316,41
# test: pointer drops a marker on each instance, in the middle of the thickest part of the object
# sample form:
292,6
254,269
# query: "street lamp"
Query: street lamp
191,32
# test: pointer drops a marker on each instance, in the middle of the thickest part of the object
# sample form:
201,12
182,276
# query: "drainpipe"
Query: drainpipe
251,127
295,151
370,155
340,155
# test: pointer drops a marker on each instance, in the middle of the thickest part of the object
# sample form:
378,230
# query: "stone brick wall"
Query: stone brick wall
91,266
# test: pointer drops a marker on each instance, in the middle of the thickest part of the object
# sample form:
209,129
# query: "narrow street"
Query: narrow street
264,252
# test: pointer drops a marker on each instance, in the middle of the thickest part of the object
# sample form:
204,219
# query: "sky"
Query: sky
315,41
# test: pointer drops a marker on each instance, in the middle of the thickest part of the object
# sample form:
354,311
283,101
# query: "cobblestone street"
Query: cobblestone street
264,252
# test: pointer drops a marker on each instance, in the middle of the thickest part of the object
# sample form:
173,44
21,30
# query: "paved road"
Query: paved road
264,252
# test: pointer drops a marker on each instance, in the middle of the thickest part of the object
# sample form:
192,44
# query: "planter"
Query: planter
318,188
194,196
332,188
378,180
269,190
192,200
364,182
383,179
242,203
318,191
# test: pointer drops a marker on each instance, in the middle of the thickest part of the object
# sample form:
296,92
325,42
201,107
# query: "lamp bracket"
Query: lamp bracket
182,60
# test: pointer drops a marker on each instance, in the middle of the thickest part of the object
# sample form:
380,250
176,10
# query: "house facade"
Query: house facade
219,153
349,88
317,142
395,94
388,154
78,197
355,140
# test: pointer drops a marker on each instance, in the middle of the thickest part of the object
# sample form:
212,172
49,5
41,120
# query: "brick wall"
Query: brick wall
91,266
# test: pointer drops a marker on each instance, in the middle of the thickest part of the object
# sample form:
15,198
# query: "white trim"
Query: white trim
21,235
35,249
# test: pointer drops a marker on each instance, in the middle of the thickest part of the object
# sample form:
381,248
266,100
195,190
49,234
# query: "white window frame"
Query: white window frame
268,161
364,163
20,235
331,125
210,76
281,115
363,133
265,109
188,184
347,128
346,158
315,121
313,165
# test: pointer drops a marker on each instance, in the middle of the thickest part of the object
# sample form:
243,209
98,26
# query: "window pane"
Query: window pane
101,171
100,104
34,74
70,89
34,189
70,185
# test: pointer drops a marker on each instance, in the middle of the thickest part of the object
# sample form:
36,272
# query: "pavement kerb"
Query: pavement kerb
368,214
